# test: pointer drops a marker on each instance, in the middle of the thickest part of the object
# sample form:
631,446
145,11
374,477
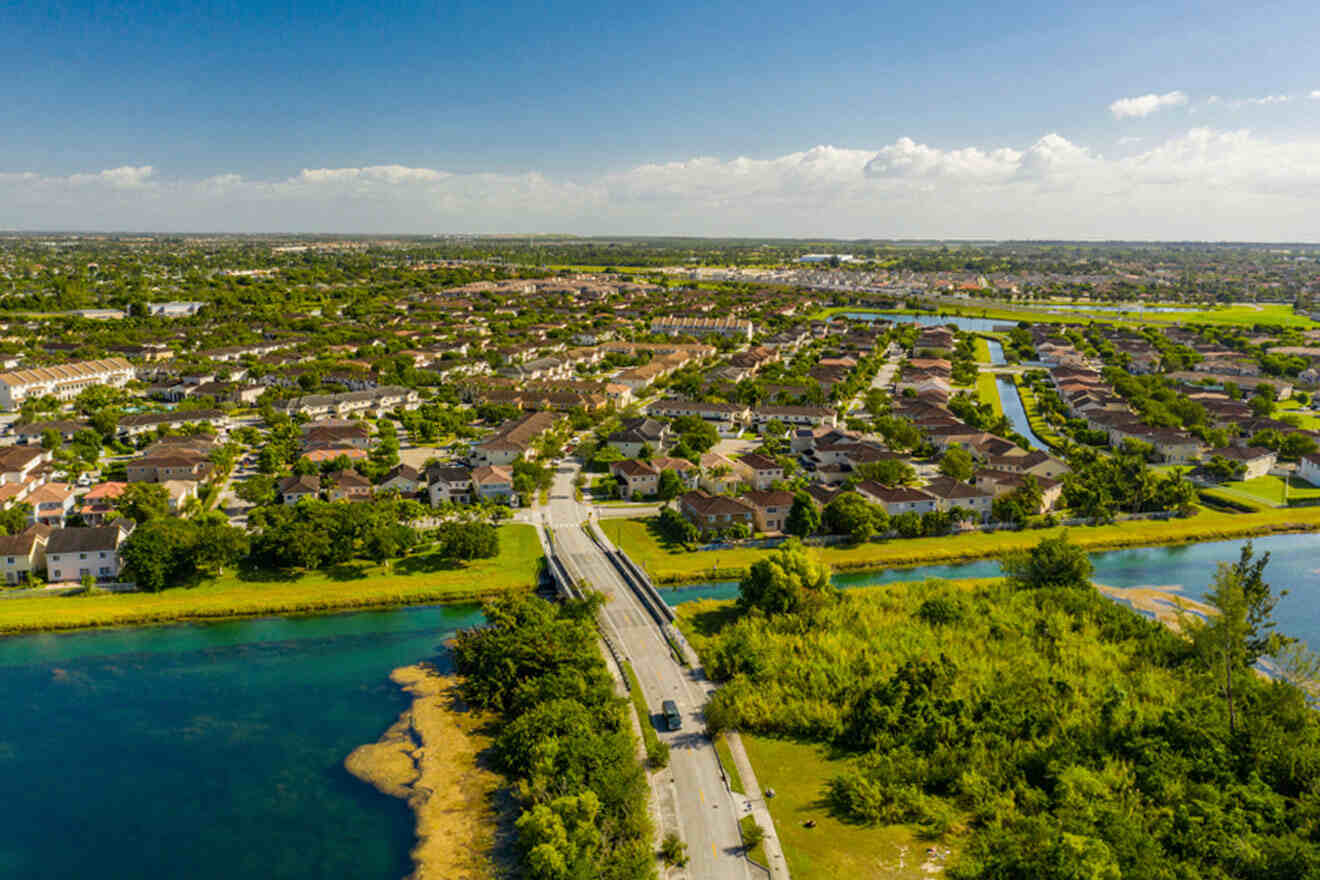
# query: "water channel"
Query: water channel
215,750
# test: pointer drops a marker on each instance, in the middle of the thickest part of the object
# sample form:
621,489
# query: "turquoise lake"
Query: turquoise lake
209,751
215,751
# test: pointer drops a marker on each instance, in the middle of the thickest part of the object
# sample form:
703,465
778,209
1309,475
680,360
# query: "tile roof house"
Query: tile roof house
898,499
51,503
24,553
402,478
765,470
1256,460
295,488
449,484
74,552
512,440
769,508
634,434
348,485
493,483
99,501
639,478
716,512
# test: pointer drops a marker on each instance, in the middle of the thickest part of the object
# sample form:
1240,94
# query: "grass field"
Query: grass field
1234,316
1307,418
410,581
832,850
987,389
670,564
1269,490
982,351
1047,434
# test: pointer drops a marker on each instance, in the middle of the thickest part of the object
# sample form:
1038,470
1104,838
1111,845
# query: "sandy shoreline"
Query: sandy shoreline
431,757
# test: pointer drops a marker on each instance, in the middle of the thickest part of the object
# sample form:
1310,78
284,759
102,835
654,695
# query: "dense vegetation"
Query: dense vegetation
1054,733
564,740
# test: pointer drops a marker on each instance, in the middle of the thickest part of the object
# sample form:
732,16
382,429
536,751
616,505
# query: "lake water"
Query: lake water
978,325
214,751
1294,566
996,353
209,751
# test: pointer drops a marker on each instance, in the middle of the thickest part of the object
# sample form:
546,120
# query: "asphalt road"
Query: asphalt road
690,792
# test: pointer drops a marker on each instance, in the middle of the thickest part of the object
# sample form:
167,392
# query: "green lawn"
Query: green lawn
833,849
726,761
982,351
1269,489
414,580
756,853
1307,419
987,389
669,564
1044,431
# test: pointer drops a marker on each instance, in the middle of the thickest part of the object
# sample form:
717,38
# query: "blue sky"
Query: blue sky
578,97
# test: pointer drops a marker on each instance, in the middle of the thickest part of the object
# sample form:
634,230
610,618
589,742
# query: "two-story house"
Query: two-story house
74,553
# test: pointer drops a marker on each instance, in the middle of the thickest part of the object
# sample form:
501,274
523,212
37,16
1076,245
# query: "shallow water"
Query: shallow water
207,751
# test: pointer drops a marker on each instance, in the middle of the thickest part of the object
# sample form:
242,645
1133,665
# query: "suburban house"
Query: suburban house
636,476
174,458
794,416
51,503
295,488
1256,460
348,485
336,434
898,499
1035,462
73,553
635,434
493,483
18,462
716,512
765,470
1005,482
24,553
449,484
953,493
769,508
688,473
725,415
100,501
512,440
1309,468
402,478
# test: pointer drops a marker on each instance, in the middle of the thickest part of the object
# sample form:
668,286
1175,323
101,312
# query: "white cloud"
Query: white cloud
1201,184
1145,105
1315,95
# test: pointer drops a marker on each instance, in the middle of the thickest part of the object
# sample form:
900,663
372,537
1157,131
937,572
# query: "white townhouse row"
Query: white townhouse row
62,381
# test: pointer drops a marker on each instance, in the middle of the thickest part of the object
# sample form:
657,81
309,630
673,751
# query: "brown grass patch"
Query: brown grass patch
434,757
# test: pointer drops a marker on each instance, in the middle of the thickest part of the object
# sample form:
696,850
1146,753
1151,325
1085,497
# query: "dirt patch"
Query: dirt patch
433,757
1165,603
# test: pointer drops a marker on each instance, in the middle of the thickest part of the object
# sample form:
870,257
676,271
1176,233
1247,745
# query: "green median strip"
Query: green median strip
730,768
657,753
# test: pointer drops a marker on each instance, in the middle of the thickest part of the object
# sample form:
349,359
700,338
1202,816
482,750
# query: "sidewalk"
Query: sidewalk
754,801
